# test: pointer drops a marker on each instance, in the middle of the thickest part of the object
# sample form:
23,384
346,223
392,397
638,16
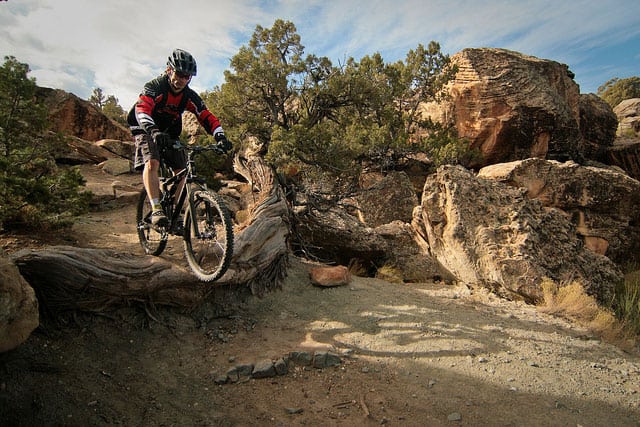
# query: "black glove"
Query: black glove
161,139
222,141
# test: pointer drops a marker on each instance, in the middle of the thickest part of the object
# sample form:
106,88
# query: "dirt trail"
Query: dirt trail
412,355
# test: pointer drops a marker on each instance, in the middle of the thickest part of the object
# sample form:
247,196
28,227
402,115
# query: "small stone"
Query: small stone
221,379
264,369
319,359
281,367
454,417
245,370
232,375
293,411
301,358
239,373
332,360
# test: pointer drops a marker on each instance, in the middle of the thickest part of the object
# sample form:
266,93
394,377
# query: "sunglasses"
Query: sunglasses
183,76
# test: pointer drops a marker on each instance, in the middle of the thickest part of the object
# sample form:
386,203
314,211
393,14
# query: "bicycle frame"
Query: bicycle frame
169,184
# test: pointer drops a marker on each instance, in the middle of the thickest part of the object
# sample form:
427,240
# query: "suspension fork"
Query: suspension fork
190,194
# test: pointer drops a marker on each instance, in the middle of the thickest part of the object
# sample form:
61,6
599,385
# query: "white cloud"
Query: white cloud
117,45
120,43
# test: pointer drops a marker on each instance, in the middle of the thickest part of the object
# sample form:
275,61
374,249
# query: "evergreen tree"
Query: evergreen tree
33,191
617,90
306,112
108,105
97,97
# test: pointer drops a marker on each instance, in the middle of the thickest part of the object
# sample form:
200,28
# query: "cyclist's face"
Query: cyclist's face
178,81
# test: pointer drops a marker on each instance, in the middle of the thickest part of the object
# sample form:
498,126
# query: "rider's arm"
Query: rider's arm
146,104
206,118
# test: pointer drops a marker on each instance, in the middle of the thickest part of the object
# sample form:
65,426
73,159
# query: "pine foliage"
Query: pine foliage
34,192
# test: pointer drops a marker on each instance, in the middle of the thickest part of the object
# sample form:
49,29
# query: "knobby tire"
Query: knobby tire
208,241
152,241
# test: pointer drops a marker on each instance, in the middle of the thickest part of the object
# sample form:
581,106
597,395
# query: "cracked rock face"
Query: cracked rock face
491,234
512,106
628,113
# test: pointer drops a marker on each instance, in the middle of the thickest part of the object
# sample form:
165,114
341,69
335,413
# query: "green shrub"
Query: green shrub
34,192
617,90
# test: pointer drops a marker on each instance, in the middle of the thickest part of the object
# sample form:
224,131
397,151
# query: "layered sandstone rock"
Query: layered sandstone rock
491,234
628,113
512,106
600,202
73,116
598,126
385,198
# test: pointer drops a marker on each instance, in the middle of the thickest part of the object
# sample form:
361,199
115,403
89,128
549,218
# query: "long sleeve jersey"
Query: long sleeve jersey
158,108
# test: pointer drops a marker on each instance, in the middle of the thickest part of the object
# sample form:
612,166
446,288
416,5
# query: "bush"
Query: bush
34,192
307,113
617,90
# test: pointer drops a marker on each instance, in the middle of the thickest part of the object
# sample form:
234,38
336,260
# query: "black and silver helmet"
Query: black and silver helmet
182,62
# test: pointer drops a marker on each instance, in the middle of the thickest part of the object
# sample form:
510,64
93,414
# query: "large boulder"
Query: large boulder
384,198
74,116
408,256
511,106
625,153
598,125
18,307
491,234
600,202
628,114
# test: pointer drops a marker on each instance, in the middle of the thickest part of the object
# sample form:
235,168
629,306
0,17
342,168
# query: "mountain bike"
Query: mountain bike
199,216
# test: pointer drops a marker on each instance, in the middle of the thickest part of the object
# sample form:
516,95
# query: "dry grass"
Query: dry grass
572,302
390,273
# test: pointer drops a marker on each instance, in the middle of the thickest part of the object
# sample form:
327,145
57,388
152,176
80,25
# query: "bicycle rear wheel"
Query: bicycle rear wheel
208,236
152,241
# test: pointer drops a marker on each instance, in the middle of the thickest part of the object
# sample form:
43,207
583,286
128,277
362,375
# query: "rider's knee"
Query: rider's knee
152,165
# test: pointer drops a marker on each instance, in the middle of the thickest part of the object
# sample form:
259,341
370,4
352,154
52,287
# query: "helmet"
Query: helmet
182,62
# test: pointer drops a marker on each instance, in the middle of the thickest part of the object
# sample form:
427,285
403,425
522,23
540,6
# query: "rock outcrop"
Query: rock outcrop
512,106
491,234
598,126
18,307
625,153
628,113
384,198
600,202
73,116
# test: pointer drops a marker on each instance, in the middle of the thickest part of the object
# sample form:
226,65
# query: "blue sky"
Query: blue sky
118,45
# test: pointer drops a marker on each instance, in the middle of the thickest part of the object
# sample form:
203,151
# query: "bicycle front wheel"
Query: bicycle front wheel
208,235
152,240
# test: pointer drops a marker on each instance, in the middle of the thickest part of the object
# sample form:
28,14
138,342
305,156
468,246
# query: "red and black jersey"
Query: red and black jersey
159,108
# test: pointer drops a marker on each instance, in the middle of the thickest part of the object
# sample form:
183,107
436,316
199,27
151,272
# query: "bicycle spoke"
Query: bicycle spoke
209,238
153,241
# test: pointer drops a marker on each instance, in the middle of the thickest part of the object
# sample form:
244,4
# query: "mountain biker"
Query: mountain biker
156,123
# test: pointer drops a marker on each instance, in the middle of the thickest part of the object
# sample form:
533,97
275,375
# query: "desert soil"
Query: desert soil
426,354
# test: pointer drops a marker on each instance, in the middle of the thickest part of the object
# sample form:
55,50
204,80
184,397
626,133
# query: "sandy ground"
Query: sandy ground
413,355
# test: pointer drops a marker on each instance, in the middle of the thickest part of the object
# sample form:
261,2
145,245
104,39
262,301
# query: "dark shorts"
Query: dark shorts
146,150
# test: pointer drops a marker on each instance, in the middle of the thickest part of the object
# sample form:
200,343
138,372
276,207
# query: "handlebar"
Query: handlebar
197,149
